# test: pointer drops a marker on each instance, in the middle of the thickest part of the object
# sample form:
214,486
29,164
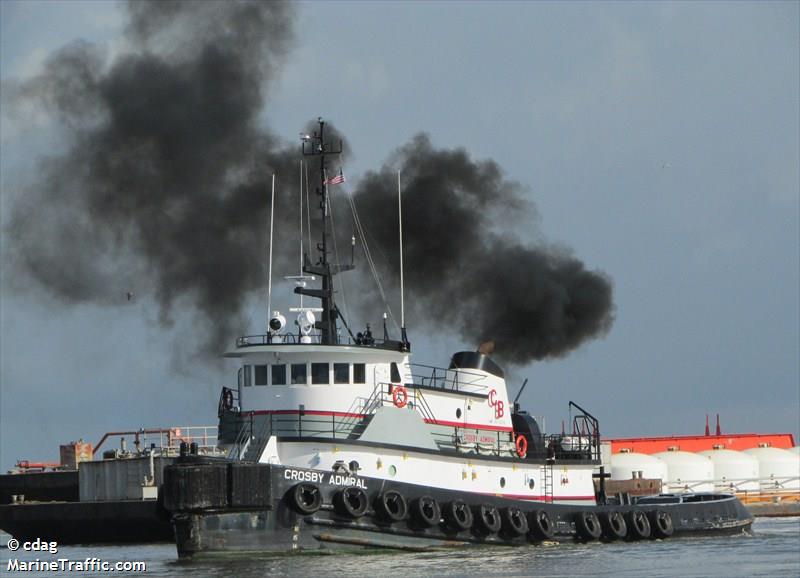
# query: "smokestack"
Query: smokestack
719,430
708,431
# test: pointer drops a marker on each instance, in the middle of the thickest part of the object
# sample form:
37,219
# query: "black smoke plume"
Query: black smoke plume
164,188
464,269
163,191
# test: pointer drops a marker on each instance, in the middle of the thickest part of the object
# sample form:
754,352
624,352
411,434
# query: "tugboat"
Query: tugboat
335,443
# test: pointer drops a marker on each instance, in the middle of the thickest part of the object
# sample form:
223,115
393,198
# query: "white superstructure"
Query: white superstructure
313,398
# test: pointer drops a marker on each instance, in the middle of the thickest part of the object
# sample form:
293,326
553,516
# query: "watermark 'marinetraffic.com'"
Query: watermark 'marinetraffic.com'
64,564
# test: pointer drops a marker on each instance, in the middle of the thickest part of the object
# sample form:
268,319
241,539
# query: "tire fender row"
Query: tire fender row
484,520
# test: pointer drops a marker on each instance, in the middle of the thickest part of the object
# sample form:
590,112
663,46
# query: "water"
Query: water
773,550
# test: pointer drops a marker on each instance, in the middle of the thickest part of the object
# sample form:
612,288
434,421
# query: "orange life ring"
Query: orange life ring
522,445
399,396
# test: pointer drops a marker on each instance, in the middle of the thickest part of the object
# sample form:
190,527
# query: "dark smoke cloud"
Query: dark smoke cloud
164,187
163,190
462,269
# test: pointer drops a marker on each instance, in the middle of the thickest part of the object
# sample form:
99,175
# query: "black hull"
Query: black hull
235,507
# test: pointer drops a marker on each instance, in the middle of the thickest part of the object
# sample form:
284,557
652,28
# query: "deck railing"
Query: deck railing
166,440
772,485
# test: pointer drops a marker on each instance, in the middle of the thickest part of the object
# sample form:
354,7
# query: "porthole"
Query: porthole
531,483
392,471
502,482
458,412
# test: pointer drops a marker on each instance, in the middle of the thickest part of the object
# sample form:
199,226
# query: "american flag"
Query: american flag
337,180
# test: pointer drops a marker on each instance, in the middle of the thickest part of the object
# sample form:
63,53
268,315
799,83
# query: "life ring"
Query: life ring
399,396
587,526
351,502
391,506
227,399
522,446
660,524
305,498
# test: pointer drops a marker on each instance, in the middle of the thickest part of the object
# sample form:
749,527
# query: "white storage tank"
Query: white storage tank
733,471
687,472
778,469
795,449
627,465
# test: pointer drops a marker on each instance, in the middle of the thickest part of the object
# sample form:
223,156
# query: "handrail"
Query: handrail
204,436
584,419
442,381
777,482
243,438
294,339
422,404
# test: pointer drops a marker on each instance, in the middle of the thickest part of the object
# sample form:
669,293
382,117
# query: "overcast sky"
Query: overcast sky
659,141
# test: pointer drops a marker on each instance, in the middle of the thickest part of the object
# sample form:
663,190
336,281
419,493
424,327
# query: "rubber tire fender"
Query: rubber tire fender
488,519
541,528
587,526
351,502
515,523
660,524
614,526
638,525
391,506
425,511
304,498
458,515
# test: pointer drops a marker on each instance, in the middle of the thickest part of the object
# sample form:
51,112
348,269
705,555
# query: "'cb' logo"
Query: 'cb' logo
497,404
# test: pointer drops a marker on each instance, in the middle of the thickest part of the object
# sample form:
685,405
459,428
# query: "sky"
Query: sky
660,142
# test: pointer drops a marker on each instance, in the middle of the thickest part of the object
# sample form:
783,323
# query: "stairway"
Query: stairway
359,428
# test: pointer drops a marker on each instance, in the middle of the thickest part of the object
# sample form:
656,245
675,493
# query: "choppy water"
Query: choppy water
772,551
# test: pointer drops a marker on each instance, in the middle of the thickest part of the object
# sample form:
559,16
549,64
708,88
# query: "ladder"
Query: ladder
547,483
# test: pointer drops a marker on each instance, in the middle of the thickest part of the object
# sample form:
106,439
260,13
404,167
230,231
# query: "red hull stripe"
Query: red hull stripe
359,415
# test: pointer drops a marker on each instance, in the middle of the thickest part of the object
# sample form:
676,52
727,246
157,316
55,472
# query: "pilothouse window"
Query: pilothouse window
359,373
262,374
279,374
247,376
341,373
299,374
319,373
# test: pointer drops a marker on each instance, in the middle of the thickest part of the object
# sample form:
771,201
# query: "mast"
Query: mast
269,274
315,145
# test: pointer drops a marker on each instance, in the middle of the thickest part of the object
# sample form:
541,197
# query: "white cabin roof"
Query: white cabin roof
350,351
